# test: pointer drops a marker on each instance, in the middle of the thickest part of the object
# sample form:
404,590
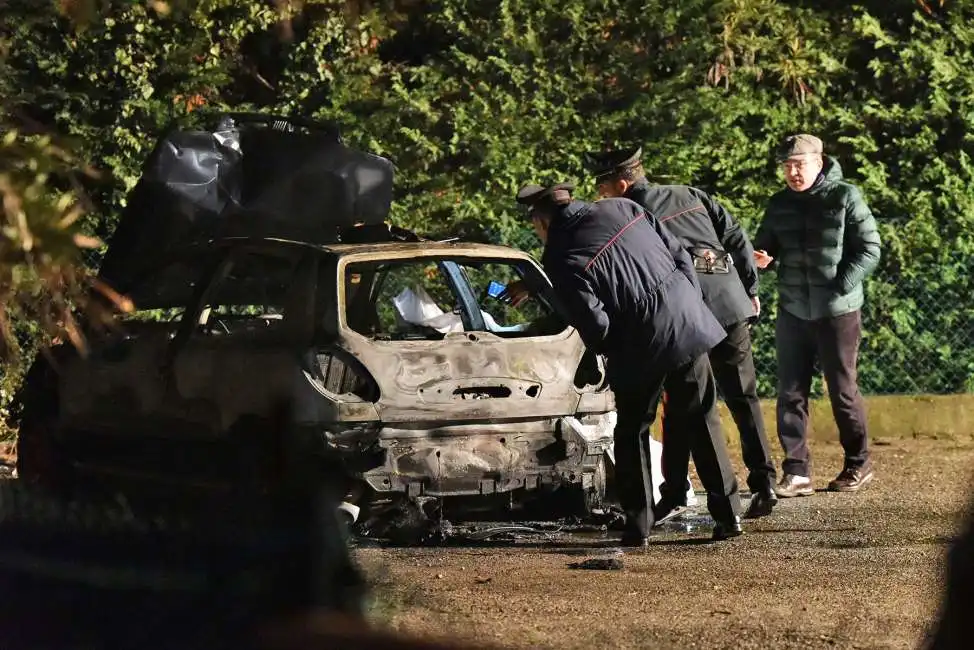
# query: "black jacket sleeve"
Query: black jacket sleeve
735,241
586,313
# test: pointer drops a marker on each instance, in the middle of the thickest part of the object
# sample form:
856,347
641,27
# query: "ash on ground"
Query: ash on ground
419,522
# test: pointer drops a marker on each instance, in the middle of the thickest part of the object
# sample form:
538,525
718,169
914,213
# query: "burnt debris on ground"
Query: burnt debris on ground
426,521
598,564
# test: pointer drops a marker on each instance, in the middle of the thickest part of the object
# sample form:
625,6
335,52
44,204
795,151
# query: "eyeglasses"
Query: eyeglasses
796,165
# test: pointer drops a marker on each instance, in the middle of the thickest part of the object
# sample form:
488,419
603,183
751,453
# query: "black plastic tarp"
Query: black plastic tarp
250,176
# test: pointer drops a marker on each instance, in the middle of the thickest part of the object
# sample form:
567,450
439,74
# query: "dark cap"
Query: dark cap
534,195
606,163
797,145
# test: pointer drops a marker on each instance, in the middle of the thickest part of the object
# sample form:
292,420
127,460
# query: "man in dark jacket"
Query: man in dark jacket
630,290
724,262
826,242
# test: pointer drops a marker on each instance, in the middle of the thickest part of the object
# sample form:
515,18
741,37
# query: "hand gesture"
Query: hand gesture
515,293
762,259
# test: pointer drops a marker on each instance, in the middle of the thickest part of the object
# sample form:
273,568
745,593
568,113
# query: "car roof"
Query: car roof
394,249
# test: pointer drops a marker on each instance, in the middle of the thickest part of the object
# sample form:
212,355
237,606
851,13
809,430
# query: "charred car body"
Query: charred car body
277,314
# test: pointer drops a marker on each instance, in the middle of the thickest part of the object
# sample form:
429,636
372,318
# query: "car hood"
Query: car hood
249,176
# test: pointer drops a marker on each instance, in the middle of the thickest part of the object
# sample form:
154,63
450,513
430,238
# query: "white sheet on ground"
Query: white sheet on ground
656,454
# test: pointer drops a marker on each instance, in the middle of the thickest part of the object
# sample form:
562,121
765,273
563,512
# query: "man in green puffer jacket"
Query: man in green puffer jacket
825,240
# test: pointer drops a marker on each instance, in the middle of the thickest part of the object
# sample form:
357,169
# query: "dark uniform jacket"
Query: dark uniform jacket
628,287
701,224
824,242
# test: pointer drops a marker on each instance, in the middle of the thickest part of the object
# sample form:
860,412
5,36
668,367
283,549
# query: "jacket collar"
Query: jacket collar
567,216
638,188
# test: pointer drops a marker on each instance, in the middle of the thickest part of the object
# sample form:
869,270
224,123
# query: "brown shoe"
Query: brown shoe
851,479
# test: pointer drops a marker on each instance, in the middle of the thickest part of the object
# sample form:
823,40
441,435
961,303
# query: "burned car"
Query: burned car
277,313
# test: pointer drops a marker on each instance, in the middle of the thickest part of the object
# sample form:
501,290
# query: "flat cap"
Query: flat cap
797,145
533,195
606,163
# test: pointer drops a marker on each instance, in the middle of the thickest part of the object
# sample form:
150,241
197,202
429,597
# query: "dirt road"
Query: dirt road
827,571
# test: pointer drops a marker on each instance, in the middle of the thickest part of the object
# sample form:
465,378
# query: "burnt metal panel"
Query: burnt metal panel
246,176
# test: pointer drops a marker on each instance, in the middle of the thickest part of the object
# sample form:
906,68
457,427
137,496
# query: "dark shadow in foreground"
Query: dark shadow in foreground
955,627
250,569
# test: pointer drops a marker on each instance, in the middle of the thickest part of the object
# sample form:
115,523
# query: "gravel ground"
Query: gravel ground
828,571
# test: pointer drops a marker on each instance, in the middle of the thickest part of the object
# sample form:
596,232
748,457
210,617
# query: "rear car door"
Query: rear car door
441,346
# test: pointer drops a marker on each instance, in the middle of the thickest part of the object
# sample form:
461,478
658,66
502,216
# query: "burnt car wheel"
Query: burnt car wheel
402,520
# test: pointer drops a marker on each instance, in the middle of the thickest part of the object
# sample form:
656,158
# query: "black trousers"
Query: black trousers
834,343
733,366
692,408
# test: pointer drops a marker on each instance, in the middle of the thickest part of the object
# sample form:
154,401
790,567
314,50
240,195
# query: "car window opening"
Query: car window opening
428,298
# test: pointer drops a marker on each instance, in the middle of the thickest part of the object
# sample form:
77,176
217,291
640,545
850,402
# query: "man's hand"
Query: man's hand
515,293
762,259
756,303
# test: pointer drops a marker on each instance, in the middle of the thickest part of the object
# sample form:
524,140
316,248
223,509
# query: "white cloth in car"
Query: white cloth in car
414,305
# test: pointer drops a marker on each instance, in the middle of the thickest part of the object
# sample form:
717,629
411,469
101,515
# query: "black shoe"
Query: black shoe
761,505
727,529
634,540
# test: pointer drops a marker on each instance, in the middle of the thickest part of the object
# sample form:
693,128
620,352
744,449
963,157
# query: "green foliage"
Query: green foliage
115,85
472,98
42,275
